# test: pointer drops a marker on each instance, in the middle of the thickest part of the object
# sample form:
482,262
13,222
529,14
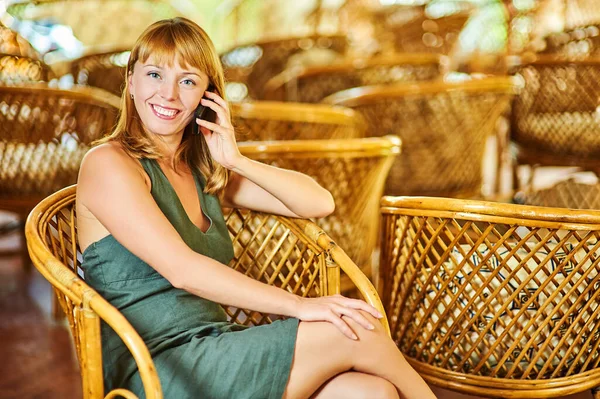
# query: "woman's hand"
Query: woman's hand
220,136
332,308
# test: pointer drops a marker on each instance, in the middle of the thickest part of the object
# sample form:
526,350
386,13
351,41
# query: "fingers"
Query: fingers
342,326
358,305
216,99
215,127
354,315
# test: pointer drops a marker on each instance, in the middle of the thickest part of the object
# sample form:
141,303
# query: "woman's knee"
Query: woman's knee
382,389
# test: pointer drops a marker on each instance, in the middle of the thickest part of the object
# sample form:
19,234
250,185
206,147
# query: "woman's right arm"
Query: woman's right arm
113,189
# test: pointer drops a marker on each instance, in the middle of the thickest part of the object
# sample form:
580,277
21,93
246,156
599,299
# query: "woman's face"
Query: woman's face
166,97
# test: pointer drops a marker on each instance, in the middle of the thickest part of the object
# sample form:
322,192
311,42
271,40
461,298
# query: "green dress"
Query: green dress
196,351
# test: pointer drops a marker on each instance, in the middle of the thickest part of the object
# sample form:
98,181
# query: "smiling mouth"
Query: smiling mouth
164,113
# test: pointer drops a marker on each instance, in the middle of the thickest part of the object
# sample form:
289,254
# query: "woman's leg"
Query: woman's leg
323,352
355,385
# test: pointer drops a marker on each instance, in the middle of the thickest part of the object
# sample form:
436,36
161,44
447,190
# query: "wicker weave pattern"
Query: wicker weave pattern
312,84
352,170
14,44
443,129
104,70
45,133
473,291
19,69
556,112
291,253
254,64
565,194
261,121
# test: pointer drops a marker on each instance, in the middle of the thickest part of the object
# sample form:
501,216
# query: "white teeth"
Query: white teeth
163,111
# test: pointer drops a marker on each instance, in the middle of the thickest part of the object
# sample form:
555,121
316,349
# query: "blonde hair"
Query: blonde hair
165,41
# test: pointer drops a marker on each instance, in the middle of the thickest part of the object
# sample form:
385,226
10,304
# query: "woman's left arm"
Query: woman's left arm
255,185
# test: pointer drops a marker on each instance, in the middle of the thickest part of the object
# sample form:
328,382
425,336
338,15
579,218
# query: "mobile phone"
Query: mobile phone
205,113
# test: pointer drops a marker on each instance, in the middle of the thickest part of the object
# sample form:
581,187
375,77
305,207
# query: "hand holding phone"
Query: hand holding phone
205,113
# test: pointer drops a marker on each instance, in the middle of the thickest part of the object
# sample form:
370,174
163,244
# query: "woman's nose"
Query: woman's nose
168,90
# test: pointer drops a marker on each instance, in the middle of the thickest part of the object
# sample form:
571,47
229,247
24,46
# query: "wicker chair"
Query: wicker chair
312,84
263,120
565,194
293,254
17,69
253,64
443,127
494,300
105,70
14,44
353,170
44,133
555,117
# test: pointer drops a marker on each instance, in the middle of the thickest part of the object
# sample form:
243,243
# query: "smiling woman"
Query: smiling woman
159,253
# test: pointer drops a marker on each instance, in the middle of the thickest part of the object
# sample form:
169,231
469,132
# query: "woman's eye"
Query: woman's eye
189,82
154,75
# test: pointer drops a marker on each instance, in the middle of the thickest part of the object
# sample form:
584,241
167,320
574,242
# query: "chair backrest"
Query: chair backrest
17,69
491,299
556,111
443,127
293,254
565,194
312,84
254,64
264,120
353,170
105,70
44,134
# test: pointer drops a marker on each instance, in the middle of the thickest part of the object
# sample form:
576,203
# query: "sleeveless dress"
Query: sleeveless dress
196,351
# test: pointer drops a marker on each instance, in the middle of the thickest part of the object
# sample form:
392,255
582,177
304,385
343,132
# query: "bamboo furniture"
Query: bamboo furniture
494,300
555,118
253,64
102,69
44,134
312,84
17,69
293,254
353,170
264,120
443,127
565,194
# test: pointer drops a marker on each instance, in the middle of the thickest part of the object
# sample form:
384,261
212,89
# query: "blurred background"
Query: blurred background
490,99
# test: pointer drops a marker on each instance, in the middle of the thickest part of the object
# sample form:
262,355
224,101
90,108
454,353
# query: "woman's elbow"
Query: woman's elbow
327,206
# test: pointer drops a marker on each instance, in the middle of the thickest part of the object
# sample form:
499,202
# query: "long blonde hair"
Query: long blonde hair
165,41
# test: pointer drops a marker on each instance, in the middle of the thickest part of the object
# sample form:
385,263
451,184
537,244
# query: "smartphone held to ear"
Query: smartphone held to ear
205,113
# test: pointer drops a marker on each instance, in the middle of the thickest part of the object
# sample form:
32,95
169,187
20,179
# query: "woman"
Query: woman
156,246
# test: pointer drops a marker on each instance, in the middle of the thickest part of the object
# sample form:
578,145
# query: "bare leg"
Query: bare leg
354,385
322,352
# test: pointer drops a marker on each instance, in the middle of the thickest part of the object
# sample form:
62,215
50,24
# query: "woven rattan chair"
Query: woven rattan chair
14,44
293,254
443,127
264,120
44,133
565,194
253,64
312,84
16,69
105,70
353,170
494,300
555,117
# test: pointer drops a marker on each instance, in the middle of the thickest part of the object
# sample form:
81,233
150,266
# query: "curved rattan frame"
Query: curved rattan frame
347,119
96,58
86,308
291,76
401,211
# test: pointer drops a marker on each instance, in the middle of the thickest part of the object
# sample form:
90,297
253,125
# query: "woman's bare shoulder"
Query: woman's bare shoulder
109,158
